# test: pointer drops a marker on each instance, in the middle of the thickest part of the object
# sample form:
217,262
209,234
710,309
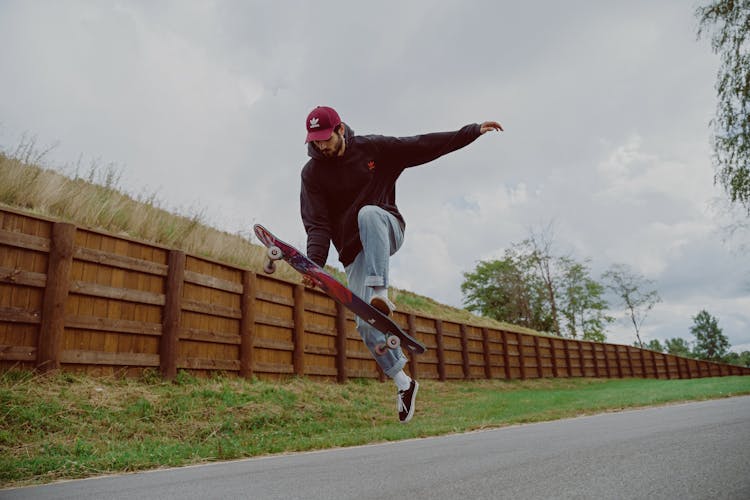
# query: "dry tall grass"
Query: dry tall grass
96,201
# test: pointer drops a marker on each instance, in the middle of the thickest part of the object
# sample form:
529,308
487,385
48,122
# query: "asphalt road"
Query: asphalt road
695,450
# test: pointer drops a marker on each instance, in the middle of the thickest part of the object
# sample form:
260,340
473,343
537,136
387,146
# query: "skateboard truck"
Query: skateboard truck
273,254
391,342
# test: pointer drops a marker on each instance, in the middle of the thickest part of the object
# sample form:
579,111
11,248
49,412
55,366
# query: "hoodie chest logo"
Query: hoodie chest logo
371,165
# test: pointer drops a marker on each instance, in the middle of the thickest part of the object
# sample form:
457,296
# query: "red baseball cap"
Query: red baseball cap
320,123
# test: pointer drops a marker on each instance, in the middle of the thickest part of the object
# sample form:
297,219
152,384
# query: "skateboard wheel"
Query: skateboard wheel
269,266
381,349
393,342
275,253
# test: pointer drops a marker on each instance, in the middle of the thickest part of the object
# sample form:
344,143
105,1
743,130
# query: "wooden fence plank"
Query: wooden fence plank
120,261
19,315
212,282
113,325
17,353
212,336
138,359
211,309
25,241
108,292
20,277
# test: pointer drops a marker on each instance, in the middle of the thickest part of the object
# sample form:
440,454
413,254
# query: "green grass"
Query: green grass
72,426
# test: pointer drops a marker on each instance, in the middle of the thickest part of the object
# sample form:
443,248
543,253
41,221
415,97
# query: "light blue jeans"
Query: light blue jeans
381,237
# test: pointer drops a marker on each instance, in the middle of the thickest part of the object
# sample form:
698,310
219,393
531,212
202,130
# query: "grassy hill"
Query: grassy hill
95,200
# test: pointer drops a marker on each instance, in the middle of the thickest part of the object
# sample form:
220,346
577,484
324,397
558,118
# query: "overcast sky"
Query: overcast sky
606,108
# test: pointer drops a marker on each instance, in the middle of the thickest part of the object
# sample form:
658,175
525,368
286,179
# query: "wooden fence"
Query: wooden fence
83,300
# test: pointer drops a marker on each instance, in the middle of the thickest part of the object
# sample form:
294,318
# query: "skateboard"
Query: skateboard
395,337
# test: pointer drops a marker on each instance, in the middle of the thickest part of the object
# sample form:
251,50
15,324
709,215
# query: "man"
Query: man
348,197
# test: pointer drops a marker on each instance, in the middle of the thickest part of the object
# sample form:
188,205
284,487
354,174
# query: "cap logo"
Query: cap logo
314,122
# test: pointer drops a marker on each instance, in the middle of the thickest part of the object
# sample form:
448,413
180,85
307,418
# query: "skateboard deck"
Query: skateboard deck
280,250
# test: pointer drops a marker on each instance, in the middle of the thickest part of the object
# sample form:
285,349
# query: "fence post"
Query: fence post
440,349
247,323
666,365
679,368
341,373
553,353
172,314
596,360
581,361
538,357
662,362
655,366
521,361
506,356
413,361
606,361
465,352
568,362
298,334
630,361
52,324
486,353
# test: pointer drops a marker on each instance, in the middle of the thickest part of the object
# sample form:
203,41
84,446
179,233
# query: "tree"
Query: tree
739,359
710,342
539,247
654,345
730,22
631,290
678,347
532,287
507,290
582,302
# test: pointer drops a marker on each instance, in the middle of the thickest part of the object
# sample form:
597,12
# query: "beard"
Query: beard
334,149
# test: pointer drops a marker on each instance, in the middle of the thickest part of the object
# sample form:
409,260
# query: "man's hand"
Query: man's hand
488,126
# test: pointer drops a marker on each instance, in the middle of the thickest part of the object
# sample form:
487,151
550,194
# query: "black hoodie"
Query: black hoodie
335,189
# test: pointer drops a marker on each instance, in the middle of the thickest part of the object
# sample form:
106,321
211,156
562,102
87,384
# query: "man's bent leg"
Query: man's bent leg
393,360
381,237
